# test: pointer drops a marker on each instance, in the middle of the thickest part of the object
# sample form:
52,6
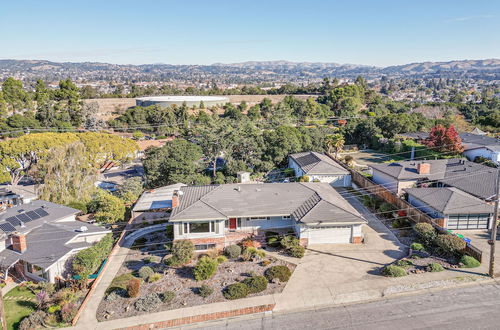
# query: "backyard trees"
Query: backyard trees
334,142
130,190
445,139
106,207
176,161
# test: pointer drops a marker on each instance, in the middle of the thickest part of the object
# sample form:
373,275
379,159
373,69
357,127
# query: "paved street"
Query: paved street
466,308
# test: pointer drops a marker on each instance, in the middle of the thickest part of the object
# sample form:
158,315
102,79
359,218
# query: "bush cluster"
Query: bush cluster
182,253
167,296
296,251
394,271
205,268
133,287
434,267
205,290
153,278
233,251
145,272
148,303
236,291
404,263
450,244
256,284
87,262
469,262
426,233
417,247
282,273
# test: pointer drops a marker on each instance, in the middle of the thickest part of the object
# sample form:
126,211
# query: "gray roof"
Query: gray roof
158,198
315,163
307,202
474,141
450,200
415,135
53,212
475,179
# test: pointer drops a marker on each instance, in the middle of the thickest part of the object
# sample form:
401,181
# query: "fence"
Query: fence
412,213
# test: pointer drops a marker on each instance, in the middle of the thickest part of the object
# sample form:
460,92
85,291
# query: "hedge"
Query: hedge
87,262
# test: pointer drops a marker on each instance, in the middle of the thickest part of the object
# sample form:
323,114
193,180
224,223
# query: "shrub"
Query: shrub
236,291
252,253
79,206
33,321
450,243
153,278
205,268
145,272
417,247
266,262
256,284
297,251
289,241
386,209
221,259
426,232
68,311
273,241
233,251
401,223
167,296
280,272
87,261
205,291
115,294
107,208
394,271
182,253
133,287
148,303
53,309
403,263
248,242
434,267
469,262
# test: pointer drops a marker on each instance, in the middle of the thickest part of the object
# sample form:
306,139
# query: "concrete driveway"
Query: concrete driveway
341,273
479,238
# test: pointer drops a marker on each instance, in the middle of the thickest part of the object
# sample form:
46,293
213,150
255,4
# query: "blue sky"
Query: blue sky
376,32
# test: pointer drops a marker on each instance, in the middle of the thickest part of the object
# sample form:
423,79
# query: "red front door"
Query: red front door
232,223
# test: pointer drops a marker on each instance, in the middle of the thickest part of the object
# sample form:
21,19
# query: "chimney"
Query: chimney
424,168
175,199
19,242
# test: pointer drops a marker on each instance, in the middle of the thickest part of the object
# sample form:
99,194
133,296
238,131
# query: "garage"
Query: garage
468,221
329,234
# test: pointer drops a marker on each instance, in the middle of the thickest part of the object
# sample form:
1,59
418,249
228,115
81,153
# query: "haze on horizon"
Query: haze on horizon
375,33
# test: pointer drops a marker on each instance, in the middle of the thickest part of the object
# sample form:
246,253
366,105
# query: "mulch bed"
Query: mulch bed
181,281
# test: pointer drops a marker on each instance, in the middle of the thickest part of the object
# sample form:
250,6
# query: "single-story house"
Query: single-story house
155,203
319,167
480,145
458,209
475,179
214,216
37,240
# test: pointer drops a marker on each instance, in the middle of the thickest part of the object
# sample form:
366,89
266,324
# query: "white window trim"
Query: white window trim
258,218
186,228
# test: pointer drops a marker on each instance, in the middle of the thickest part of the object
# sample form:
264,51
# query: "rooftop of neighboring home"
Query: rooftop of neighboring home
315,163
415,135
475,179
158,198
8,192
47,235
308,202
450,200
473,141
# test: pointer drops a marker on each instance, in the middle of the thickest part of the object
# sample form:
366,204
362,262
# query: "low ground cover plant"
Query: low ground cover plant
256,284
236,291
469,262
394,271
282,273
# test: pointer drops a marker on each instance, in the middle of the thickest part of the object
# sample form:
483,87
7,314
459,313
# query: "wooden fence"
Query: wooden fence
412,213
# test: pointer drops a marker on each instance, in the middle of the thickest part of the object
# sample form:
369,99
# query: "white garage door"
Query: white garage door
325,235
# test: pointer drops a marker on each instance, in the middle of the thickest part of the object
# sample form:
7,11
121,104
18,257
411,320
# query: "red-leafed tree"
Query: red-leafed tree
444,139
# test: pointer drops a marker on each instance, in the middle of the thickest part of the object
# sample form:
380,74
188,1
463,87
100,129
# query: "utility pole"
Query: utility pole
494,228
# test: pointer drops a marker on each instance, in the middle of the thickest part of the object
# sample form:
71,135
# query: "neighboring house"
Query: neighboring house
319,167
458,209
475,179
480,145
155,203
113,178
16,195
215,216
37,240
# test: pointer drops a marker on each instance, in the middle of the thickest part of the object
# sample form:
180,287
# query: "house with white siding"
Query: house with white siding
38,240
480,145
319,168
214,216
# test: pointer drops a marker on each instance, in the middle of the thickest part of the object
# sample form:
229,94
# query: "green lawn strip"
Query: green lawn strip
17,309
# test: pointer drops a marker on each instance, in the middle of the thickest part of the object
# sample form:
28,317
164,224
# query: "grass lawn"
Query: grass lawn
16,310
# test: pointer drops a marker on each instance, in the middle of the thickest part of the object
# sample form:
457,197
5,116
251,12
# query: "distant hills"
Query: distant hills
246,72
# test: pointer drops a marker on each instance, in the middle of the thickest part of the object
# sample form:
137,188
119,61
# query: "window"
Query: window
35,270
200,227
259,218
286,217
200,247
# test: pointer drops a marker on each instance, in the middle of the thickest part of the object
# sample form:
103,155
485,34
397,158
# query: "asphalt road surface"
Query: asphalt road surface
476,307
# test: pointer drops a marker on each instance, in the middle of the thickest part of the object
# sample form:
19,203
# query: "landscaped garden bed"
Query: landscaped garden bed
150,283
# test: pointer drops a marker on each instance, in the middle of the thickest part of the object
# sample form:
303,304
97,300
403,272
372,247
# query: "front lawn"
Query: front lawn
18,303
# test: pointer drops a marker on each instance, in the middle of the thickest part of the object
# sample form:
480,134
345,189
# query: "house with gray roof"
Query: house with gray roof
481,145
37,240
319,168
214,216
475,179
458,209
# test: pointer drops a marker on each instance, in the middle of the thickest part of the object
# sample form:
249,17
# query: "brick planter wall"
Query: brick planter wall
202,318
218,241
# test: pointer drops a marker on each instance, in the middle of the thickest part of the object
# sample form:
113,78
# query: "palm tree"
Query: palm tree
334,141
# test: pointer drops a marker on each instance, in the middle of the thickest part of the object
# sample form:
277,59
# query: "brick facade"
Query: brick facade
218,241
19,243
202,318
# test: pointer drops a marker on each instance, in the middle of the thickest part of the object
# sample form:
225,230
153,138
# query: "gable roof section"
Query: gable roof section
315,163
450,200
474,141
